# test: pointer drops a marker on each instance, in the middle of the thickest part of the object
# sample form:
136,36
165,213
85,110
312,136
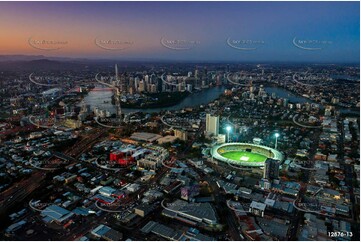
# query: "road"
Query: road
19,191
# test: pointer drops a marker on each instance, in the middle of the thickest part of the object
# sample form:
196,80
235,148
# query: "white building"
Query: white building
212,124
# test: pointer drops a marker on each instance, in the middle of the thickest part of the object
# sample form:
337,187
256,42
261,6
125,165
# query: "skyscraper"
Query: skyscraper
251,87
261,91
271,169
116,72
212,124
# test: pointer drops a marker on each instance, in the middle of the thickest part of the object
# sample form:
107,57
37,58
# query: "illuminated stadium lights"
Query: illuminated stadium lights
228,128
276,135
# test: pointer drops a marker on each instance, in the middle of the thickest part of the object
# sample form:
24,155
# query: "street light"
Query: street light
228,128
277,135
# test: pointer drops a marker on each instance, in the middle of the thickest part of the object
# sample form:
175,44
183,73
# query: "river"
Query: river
98,99
102,100
283,93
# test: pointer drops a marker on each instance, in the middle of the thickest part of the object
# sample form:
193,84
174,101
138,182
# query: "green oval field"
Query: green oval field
243,156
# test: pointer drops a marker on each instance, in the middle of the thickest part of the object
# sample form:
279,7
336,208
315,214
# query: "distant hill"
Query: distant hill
35,57
20,57
40,64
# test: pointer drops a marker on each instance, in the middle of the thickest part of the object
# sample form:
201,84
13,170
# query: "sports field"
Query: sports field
244,156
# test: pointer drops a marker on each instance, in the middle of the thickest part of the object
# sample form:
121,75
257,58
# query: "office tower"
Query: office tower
189,87
285,102
251,88
153,88
123,84
219,82
212,124
261,90
153,79
159,85
136,82
271,169
196,73
116,72
141,86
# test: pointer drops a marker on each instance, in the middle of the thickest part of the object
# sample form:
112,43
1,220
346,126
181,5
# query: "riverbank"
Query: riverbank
156,100
294,97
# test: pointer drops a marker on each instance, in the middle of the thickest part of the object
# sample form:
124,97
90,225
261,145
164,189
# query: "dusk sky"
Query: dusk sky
271,29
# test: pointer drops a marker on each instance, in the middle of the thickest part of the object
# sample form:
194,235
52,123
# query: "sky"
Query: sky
194,31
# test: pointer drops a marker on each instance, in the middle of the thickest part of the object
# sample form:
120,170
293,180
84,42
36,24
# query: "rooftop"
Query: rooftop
54,212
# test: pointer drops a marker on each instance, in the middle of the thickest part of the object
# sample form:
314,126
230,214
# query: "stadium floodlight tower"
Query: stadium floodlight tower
276,135
228,128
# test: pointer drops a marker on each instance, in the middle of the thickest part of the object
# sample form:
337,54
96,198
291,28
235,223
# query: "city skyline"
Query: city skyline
180,121
205,31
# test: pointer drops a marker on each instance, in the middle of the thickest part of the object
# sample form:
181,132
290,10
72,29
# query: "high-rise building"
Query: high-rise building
261,91
285,102
212,124
136,82
251,87
219,82
141,86
196,73
116,72
205,71
189,87
153,88
271,169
